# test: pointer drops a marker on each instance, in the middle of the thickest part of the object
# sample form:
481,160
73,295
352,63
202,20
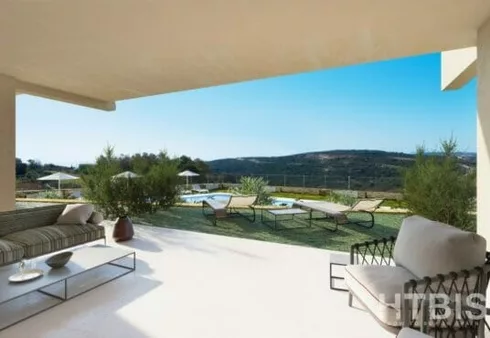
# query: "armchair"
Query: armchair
390,278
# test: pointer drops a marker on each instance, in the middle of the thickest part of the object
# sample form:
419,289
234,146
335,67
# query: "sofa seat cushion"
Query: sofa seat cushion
44,240
10,252
377,287
79,234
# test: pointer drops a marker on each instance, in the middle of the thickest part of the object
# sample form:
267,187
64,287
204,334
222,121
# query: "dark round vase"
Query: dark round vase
123,229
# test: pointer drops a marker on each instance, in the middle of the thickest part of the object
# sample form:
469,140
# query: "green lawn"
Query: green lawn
192,219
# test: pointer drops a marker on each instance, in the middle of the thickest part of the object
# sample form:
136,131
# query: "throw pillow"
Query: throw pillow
96,218
77,214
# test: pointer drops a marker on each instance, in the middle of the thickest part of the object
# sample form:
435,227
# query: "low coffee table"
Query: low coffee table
276,215
60,285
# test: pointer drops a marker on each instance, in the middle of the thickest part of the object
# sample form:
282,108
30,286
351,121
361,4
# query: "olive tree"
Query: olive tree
438,187
121,197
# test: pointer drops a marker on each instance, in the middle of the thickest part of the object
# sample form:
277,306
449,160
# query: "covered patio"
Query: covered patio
97,52
190,284
68,51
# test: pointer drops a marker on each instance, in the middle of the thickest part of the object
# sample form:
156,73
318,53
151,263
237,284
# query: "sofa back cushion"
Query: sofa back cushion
96,218
428,248
23,219
75,214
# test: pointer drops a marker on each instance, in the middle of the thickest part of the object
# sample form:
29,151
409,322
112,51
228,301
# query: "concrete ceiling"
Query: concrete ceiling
110,50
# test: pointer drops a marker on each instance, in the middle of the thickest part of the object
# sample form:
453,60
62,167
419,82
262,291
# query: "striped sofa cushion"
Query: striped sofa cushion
79,234
10,252
47,239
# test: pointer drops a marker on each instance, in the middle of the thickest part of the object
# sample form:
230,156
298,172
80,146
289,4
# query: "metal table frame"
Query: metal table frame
272,223
66,296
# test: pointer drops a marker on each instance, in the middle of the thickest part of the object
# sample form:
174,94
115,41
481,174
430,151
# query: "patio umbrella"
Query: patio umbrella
58,176
126,174
187,174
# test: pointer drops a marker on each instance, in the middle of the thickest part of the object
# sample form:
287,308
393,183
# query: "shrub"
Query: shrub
438,188
341,198
67,194
100,188
254,186
49,194
162,183
118,197
20,194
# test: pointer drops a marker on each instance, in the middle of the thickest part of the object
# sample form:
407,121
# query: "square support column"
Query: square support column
483,132
7,143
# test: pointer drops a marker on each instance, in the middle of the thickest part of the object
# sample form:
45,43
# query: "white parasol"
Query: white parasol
126,174
58,176
187,174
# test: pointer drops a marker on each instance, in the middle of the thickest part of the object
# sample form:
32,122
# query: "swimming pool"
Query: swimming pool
222,196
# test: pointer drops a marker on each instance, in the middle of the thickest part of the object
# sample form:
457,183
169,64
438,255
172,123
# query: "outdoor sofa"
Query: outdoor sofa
234,206
32,232
394,277
339,212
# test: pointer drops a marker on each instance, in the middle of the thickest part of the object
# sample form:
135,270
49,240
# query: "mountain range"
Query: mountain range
340,169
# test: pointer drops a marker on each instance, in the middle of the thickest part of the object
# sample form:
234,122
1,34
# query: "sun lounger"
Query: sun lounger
197,188
338,212
183,191
232,207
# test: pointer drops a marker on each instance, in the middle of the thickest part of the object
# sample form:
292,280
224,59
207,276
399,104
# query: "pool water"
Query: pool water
198,198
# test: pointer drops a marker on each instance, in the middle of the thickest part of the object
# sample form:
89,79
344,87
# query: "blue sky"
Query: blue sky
392,105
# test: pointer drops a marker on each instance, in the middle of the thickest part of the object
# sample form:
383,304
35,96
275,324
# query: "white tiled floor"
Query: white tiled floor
204,286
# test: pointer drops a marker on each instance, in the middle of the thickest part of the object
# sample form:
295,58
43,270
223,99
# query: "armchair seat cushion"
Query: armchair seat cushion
410,333
376,286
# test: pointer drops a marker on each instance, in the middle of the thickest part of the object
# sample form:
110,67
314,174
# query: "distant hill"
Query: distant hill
368,169
463,155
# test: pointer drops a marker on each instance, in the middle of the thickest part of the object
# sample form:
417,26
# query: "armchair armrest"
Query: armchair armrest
462,292
487,257
375,252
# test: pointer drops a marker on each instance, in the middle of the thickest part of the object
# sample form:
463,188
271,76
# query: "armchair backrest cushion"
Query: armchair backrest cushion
428,248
